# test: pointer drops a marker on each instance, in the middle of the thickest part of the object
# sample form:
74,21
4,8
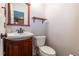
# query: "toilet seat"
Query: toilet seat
47,50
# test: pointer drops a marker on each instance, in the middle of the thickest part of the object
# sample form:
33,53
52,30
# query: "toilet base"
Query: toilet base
43,54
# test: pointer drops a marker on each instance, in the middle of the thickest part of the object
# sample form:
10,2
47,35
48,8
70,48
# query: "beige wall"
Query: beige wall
63,28
37,28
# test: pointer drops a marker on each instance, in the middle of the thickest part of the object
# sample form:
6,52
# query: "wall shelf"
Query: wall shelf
38,18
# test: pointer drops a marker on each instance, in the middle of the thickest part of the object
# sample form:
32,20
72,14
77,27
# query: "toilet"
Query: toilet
42,48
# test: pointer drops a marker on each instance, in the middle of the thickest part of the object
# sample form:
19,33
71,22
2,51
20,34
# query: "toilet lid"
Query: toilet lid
47,50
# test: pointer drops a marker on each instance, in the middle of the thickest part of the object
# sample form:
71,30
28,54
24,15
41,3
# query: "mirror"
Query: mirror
19,14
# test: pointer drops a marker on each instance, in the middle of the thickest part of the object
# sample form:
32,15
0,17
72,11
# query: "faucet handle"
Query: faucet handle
23,31
17,31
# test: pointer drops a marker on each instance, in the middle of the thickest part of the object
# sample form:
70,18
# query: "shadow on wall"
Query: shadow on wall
39,28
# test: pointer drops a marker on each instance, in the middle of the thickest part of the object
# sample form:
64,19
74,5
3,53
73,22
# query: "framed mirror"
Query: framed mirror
19,14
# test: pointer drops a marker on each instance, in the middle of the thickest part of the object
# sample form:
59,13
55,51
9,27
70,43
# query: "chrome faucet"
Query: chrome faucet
20,30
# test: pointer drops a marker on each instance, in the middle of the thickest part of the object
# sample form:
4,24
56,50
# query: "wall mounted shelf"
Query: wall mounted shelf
38,18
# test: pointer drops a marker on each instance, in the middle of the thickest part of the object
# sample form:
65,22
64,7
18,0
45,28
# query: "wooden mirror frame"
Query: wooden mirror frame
9,16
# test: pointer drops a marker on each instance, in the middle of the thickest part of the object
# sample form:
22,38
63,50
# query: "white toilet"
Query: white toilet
43,50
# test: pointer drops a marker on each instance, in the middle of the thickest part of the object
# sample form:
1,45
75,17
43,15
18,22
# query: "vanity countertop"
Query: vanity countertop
19,36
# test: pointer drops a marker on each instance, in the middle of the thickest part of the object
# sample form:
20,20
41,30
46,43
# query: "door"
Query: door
2,30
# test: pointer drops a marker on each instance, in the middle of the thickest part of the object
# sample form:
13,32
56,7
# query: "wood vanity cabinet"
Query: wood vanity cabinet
18,48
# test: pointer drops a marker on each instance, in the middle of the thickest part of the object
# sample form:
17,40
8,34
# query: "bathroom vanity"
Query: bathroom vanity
18,48
18,45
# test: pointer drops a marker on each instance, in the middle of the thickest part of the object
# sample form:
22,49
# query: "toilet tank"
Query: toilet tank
40,40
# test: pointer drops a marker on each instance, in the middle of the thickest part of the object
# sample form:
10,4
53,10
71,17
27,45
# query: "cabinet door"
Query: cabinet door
30,47
13,50
19,48
30,50
24,51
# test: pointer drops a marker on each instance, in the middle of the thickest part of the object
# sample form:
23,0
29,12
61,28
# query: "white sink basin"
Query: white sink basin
19,36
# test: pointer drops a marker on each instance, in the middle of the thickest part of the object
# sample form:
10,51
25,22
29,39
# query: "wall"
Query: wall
63,28
75,45
37,28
